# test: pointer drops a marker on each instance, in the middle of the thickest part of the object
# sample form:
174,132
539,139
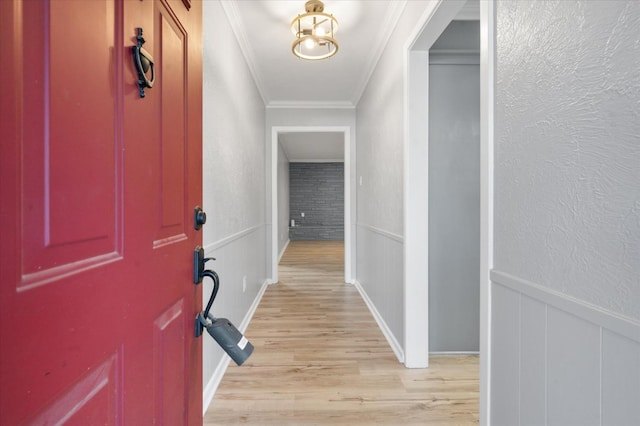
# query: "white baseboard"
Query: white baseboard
454,353
283,250
395,346
212,385
252,310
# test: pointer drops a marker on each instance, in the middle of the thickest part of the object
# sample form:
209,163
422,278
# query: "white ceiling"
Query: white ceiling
262,28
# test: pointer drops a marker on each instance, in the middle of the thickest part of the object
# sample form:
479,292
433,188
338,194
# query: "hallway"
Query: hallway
320,358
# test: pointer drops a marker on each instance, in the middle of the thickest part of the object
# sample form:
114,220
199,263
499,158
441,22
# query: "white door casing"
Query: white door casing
349,240
416,207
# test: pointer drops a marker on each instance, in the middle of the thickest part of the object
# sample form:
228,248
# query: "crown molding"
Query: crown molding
393,16
469,12
233,16
316,160
310,105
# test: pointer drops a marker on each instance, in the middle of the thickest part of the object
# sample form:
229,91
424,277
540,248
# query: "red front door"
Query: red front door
97,190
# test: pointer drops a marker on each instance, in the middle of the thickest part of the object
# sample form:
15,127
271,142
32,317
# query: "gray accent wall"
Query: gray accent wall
317,191
566,279
454,201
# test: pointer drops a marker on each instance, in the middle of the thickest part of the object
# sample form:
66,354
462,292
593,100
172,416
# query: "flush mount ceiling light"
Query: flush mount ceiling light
314,33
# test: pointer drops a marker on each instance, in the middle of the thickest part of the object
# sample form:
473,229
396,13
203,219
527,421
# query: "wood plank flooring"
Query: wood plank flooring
320,358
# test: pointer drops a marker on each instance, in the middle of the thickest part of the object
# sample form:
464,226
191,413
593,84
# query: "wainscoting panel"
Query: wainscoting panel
573,370
241,266
505,356
620,380
380,277
533,361
557,360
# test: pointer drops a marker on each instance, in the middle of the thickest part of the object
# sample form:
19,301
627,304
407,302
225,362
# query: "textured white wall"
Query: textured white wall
568,148
566,279
283,199
380,151
233,133
380,116
233,182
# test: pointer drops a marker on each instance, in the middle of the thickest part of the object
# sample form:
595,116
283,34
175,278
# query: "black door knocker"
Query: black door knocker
143,61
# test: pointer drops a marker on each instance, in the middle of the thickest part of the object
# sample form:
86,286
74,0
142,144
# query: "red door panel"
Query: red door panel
169,364
97,189
63,231
171,124
94,399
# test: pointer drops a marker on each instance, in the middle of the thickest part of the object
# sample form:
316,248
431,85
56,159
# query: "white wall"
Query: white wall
566,278
380,126
283,200
233,183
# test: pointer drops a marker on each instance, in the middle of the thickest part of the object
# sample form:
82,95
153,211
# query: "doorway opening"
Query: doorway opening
280,220
454,189
416,196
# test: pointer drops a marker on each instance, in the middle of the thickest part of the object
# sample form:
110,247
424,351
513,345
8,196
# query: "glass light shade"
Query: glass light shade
314,32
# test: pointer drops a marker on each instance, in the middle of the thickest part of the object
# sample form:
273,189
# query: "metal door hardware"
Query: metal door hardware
199,218
221,329
143,61
198,265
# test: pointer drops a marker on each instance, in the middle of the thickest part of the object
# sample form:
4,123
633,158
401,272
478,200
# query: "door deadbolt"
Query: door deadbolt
199,218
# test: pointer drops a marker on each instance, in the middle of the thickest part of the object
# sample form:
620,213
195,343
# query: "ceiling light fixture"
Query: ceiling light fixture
314,33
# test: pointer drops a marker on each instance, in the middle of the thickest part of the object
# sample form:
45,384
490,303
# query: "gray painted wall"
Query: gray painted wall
454,205
566,278
458,37
317,190
283,199
233,181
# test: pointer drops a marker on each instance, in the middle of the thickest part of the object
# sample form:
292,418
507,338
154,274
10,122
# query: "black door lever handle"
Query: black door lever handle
198,265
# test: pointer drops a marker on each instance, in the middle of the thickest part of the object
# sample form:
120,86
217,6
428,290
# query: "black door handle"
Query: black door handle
221,329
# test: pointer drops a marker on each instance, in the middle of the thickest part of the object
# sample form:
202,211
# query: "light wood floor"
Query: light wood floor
320,358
